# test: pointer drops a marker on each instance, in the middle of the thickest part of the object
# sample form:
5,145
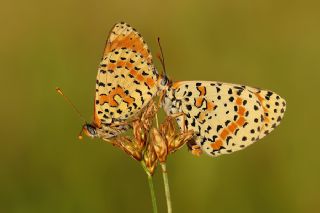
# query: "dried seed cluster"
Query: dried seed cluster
149,144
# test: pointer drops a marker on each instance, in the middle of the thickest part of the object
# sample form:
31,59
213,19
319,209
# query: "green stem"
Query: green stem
151,187
165,178
166,186
153,195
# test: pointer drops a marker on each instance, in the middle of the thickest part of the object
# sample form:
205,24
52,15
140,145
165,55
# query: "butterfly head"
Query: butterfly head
92,131
164,80
89,130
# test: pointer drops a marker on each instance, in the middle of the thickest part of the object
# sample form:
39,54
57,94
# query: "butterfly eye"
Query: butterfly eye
164,80
91,130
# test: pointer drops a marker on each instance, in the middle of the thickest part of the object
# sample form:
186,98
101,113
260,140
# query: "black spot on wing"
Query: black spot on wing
139,91
208,129
219,127
228,139
239,92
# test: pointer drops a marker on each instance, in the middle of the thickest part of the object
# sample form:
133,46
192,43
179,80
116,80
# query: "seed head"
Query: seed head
140,134
168,130
180,140
150,158
159,145
129,146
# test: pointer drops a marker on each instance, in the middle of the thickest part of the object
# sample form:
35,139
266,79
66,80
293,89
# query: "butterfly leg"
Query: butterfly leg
179,114
117,124
161,97
149,114
120,126
124,123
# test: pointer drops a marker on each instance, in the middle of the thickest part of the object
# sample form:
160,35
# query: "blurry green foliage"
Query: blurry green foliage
44,44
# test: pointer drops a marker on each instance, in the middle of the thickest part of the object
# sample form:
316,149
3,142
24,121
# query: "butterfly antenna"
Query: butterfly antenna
71,104
161,58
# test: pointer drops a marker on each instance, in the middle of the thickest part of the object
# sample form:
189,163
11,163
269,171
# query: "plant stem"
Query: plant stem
153,195
166,186
157,121
151,187
165,178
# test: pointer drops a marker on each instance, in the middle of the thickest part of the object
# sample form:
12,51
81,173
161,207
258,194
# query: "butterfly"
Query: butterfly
126,82
224,117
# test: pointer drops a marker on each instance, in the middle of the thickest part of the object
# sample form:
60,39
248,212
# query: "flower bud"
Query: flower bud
180,140
150,159
168,130
159,145
140,134
129,147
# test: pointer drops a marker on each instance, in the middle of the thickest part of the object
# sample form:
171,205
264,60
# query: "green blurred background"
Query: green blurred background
44,44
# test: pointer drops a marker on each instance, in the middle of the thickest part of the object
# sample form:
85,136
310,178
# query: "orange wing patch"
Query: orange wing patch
110,98
176,85
210,105
199,102
124,36
231,127
149,81
217,145
261,99
202,90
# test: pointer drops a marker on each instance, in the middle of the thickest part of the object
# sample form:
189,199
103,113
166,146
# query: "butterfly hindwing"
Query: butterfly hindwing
225,117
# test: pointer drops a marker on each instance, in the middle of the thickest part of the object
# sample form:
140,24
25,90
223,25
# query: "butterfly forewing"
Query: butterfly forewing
127,79
123,35
225,117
